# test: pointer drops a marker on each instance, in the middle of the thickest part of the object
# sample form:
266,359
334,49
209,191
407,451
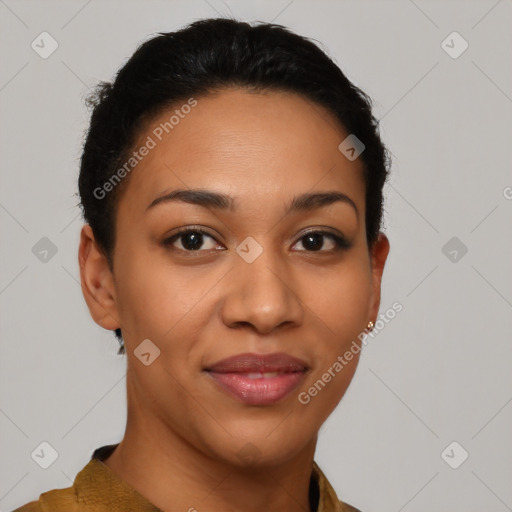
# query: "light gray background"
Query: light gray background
439,372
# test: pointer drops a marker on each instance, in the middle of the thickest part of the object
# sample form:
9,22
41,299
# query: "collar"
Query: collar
97,484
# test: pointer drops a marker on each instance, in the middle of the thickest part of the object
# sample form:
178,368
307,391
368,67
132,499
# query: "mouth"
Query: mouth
258,379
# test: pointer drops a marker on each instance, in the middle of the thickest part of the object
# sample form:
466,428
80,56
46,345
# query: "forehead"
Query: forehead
252,145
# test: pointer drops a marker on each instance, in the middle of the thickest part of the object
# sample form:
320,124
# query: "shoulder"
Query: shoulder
56,500
90,485
345,507
33,506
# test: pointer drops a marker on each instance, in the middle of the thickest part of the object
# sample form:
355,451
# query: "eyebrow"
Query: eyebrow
219,201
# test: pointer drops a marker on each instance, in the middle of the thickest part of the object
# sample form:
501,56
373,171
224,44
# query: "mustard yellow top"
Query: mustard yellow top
97,488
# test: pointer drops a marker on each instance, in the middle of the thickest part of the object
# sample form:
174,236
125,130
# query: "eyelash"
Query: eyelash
341,242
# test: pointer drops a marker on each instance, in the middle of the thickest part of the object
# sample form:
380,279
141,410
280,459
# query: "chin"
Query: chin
257,447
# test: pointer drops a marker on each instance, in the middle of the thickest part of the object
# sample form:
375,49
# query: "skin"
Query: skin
262,149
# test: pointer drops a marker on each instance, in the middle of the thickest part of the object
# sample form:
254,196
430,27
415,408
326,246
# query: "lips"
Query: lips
258,379
245,363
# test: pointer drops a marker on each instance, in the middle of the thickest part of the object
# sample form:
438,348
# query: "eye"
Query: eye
193,240
314,241
190,240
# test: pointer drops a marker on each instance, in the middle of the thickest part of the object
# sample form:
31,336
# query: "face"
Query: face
253,273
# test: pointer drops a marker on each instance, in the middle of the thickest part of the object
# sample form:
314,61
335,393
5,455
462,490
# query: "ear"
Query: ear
379,254
97,281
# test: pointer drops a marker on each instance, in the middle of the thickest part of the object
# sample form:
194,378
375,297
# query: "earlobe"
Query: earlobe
379,255
97,281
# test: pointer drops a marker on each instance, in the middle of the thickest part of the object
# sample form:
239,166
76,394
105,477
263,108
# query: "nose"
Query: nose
262,295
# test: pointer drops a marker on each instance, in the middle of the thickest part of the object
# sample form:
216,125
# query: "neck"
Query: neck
173,474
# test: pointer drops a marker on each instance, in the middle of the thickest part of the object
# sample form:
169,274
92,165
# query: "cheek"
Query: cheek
340,310
341,299
157,299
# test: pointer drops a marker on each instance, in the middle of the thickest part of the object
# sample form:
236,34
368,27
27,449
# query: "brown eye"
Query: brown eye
314,241
191,240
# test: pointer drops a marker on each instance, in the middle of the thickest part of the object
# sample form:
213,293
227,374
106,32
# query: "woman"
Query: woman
231,183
